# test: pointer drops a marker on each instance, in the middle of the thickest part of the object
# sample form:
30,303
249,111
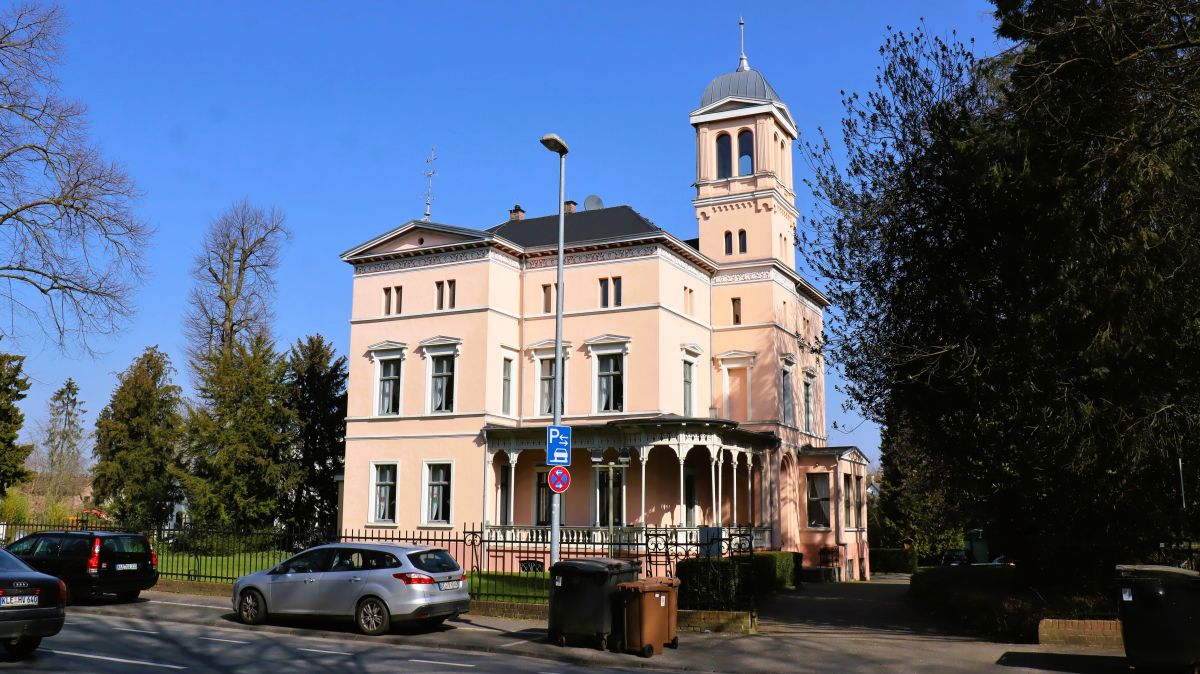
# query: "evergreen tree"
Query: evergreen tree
61,460
137,443
316,394
13,385
240,439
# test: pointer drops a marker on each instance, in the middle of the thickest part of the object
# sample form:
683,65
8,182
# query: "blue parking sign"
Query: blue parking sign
558,445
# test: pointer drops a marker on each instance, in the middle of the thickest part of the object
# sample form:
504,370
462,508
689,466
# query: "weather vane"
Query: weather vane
429,174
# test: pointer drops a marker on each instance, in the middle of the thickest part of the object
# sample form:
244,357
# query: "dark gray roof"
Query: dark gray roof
602,223
744,83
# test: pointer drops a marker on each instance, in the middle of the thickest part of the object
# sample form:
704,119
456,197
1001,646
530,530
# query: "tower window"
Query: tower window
729,243
741,240
745,153
737,310
724,156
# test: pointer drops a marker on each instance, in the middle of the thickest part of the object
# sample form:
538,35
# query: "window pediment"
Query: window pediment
737,355
545,347
608,343
692,349
387,345
441,344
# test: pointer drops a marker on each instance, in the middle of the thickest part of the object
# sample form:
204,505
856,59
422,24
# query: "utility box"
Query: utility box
583,598
710,541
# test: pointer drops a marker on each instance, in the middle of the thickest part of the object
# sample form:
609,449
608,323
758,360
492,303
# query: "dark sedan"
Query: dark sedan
32,606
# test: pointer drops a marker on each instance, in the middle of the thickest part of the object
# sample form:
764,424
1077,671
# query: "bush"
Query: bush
893,560
773,572
709,584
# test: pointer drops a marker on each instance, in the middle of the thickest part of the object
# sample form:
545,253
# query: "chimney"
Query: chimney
569,206
517,213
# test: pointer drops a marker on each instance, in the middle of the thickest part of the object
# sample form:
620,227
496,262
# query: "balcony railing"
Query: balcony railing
575,536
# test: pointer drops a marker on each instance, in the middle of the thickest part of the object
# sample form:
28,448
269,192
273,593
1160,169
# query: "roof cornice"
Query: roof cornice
756,106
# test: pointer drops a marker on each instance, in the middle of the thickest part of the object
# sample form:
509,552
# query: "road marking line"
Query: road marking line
130,629
317,650
518,641
439,662
69,623
227,641
112,659
179,603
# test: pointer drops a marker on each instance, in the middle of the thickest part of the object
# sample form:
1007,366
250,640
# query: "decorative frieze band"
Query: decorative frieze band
422,261
743,277
594,256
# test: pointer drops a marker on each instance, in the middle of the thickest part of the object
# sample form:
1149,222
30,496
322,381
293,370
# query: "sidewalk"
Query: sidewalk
850,627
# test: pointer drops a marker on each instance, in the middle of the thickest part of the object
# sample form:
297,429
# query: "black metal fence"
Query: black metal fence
509,564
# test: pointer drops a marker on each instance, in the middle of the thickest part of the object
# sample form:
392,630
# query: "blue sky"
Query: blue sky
327,111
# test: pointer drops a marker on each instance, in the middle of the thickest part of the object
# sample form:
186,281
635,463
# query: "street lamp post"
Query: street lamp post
558,146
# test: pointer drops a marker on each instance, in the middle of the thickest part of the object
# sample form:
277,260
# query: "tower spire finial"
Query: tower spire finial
429,174
743,64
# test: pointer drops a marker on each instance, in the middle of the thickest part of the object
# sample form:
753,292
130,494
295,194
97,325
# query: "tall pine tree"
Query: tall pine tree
13,385
61,461
316,394
240,439
137,443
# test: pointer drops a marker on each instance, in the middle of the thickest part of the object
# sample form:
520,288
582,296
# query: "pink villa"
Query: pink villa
693,383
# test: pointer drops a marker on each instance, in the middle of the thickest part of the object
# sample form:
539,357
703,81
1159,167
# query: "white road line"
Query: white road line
226,641
439,662
130,629
90,656
179,603
514,643
65,622
317,650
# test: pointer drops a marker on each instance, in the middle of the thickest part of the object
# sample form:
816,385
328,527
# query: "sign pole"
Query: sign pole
556,499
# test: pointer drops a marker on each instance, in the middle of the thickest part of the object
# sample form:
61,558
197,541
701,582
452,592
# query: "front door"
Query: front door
296,585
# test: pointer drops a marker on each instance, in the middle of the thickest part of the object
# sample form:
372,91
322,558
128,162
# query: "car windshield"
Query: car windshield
10,563
433,561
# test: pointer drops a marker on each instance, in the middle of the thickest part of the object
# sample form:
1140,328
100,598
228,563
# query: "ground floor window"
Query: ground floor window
542,499
610,494
505,491
384,479
818,500
437,490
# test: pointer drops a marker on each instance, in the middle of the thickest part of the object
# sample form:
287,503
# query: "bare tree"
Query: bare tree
234,278
70,246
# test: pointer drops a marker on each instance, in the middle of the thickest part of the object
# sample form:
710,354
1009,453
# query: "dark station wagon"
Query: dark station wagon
92,562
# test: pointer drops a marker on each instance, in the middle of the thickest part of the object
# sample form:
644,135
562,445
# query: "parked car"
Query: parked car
955,558
92,562
375,584
1004,560
32,606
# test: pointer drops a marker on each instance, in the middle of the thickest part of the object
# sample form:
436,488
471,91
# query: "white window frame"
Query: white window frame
808,403
787,363
537,352
379,352
449,524
533,498
691,354
595,507
371,494
514,403
441,346
609,345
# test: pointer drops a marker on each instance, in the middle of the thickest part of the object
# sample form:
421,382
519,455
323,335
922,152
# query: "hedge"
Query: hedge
721,584
893,560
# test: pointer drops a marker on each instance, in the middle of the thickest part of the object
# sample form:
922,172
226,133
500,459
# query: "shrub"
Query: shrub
893,560
986,599
709,584
773,571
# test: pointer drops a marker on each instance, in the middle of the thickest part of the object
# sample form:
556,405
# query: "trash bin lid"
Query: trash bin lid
596,565
1154,570
644,586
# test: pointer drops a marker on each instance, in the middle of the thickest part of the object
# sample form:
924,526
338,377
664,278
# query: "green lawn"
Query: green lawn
524,588
216,568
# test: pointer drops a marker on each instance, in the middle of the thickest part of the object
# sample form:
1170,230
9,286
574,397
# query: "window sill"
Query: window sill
443,527
822,529
382,525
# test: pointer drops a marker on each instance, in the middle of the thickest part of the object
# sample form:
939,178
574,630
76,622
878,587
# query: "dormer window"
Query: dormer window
724,157
745,153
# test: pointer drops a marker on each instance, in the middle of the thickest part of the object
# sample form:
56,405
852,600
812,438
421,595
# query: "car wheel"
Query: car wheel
131,595
21,647
373,617
252,609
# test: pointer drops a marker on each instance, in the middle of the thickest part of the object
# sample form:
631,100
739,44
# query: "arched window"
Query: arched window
741,240
729,243
745,153
724,157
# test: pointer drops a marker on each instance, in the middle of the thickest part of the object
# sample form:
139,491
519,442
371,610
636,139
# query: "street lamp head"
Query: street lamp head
554,143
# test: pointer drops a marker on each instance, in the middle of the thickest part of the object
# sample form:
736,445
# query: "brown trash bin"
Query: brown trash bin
673,614
649,608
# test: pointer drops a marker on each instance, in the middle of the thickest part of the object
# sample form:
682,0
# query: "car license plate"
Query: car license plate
19,600
126,567
450,585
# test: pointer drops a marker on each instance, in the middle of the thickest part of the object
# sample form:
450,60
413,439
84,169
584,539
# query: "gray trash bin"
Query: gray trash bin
584,599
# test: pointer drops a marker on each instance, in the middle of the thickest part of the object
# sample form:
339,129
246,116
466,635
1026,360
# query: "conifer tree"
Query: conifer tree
13,385
137,443
316,394
61,459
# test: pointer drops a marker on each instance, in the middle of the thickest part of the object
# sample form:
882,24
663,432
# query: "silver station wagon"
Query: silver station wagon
376,584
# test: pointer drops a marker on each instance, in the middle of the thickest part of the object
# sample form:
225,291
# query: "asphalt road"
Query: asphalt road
100,643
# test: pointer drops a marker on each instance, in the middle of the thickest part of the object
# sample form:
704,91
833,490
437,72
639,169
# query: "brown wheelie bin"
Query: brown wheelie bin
673,611
648,608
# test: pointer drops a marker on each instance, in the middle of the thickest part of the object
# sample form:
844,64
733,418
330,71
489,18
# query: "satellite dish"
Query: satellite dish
593,203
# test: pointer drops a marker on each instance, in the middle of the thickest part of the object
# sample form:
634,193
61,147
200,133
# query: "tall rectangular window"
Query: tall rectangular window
542,499
546,387
808,405
785,395
616,287
385,493
438,486
848,500
450,288
818,500
858,501
547,299
389,386
442,392
611,385
398,294
387,301
441,294
506,382
603,292
505,490
737,310
609,495
688,368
